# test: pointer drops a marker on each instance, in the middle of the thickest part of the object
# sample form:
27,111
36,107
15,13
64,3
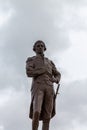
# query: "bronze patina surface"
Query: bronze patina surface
44,73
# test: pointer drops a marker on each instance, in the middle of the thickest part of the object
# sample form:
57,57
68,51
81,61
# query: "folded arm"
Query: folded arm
31,71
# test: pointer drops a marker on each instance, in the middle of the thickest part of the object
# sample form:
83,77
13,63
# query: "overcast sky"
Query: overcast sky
62,25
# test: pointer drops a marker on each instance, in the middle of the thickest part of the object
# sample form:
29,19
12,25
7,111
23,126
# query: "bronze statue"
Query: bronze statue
44,74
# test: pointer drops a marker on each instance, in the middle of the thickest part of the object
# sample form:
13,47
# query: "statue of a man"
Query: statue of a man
44,74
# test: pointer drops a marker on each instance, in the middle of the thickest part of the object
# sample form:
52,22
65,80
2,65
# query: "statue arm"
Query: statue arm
31,71
56,73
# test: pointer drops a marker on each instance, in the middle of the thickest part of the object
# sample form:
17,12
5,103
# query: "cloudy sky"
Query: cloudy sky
62,25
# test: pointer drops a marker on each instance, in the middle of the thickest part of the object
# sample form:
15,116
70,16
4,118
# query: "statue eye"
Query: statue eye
38,45
42,46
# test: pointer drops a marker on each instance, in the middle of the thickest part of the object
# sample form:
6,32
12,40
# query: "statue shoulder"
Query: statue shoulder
49,61
30,59
52,62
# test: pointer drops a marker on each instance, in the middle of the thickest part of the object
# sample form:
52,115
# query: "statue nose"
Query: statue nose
40,47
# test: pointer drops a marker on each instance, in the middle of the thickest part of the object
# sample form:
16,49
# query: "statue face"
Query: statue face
39,48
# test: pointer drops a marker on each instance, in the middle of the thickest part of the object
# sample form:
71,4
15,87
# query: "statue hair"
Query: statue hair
39,41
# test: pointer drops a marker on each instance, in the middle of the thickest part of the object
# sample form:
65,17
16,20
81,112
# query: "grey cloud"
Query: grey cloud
30,22
14,113
71,106
75,2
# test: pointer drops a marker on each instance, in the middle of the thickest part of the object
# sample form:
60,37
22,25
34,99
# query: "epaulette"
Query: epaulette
30,58
48,59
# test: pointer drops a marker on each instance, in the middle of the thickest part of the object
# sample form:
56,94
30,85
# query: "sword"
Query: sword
57,91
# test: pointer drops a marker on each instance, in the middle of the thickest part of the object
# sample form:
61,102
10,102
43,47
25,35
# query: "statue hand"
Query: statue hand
55,80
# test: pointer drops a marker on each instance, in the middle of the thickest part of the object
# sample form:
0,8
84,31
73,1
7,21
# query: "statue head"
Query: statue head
39,46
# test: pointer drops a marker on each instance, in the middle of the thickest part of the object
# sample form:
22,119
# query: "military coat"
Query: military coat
42,70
